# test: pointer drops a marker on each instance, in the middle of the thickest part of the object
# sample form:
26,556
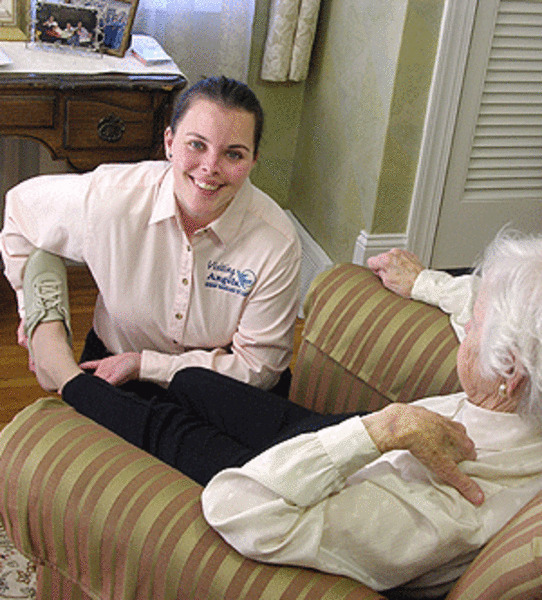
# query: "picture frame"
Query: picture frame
116,21
63,25
14,20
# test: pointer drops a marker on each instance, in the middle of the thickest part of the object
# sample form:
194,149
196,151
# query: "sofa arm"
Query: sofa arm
364,347
510,565
103,519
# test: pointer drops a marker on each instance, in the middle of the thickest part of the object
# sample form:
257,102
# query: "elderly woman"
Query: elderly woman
403,496
354,499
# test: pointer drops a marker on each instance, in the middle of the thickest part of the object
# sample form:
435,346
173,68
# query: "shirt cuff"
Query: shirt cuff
428,284
154,367
348,445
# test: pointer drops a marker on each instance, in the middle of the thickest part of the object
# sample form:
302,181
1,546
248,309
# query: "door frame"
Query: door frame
444,96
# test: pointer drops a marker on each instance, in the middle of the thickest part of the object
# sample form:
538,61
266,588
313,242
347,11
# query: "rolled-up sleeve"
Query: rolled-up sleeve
453,295
44,212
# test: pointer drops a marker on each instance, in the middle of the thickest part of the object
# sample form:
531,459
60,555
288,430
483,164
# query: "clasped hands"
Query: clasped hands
436,441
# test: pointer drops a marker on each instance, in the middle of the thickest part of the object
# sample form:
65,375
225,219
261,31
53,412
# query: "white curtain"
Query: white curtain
204,37
290,37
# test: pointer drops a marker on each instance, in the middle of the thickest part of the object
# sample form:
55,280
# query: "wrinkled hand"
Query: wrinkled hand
117,369
397,269
22,340
436,441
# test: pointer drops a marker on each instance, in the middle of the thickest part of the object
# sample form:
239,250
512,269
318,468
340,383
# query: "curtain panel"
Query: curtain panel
290,37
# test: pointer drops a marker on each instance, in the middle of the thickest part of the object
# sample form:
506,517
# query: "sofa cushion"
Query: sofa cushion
510,565
364,346
103,519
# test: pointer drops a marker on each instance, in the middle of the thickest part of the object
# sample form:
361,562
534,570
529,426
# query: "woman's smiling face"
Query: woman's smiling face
212,153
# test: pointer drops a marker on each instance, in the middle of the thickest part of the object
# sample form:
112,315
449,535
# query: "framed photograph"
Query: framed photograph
116,20
14,19
67,26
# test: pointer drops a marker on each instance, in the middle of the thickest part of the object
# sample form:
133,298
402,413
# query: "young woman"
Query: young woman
194,265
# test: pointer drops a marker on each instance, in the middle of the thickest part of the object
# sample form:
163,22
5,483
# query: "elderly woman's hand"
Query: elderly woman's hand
398,270
436,441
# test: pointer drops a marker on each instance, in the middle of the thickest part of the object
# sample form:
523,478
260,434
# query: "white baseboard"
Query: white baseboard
314,259
368,245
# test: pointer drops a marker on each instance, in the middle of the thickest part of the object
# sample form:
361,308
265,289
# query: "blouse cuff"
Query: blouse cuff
348,445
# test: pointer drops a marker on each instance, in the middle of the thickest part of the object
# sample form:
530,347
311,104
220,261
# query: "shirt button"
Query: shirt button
189,248
185,281
178,316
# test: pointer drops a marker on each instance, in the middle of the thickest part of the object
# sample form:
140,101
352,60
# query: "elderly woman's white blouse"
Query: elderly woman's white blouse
454,295
328,500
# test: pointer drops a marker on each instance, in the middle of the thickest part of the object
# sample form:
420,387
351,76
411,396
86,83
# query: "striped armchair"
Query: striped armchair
104,520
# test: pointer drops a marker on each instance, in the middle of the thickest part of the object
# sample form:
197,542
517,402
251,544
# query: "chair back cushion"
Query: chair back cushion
364,346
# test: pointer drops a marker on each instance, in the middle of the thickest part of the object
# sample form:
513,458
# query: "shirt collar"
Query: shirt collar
164,205
226,227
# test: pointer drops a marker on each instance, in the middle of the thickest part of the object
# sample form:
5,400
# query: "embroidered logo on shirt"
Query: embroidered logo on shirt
229,279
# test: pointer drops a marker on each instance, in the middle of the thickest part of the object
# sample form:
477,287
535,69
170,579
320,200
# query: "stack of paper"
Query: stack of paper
148,50
4,58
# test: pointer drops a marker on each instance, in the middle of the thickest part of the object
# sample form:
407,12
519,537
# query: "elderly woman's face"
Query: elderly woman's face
212,152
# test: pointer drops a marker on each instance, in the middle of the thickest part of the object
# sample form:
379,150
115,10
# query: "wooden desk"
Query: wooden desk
88,117
89,121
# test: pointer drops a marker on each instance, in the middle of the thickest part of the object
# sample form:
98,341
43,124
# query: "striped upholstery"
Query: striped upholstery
103,519
364,347
510,566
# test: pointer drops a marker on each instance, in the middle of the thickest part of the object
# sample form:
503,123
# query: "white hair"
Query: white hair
511,339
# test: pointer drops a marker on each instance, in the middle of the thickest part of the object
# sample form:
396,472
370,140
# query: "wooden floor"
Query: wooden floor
18,387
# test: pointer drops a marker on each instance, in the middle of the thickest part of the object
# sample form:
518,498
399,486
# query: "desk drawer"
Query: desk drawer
95,124
27,111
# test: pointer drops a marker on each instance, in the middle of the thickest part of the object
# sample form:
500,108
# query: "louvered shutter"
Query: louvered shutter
495,170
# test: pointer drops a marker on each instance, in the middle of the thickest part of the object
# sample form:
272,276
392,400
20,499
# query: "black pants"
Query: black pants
203,423
95,349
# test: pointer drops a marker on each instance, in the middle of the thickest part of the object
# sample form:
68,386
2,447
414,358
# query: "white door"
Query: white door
494,174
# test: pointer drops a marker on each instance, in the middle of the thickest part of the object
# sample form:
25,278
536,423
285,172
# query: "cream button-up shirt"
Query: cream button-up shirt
330,501
227,300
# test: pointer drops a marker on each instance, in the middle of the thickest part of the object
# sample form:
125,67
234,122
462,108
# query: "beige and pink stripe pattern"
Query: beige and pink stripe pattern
104,520
364,347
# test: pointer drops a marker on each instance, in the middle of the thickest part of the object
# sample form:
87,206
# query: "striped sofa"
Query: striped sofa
104,520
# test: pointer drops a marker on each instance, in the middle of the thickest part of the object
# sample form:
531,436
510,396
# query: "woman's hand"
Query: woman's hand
398,270
436,441
117,369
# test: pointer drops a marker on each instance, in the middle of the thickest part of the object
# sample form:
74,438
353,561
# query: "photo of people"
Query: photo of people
114,17
66,24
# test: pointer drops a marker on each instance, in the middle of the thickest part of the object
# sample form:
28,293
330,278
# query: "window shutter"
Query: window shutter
506,155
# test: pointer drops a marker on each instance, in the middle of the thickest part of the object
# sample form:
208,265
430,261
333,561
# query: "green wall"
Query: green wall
407,116
283,105
344,120
341,150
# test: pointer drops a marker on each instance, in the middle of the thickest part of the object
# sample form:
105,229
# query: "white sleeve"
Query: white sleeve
454,295
272,508
45,212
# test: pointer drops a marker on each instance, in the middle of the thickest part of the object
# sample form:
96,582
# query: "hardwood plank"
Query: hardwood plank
18,386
